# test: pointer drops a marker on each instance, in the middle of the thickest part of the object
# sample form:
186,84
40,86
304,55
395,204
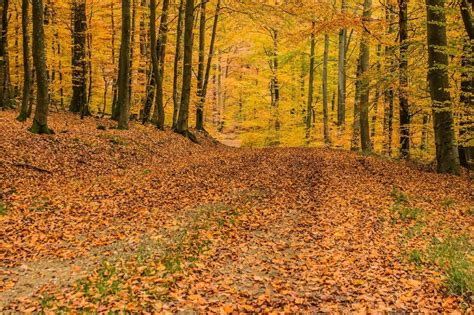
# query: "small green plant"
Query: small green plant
399,196
415,257
454,256
3,208
447,202
47,301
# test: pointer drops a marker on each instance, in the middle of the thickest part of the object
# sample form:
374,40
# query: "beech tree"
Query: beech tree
40,120
123,94
25,101
4,60
446,152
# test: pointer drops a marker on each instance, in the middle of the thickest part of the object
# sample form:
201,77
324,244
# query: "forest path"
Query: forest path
209,228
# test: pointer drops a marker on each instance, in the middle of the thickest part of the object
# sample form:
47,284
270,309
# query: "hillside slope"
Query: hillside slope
143,220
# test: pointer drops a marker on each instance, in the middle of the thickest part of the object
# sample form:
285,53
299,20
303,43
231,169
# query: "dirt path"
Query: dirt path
285,230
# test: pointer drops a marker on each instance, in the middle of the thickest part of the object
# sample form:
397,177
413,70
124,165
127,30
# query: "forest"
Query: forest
236,156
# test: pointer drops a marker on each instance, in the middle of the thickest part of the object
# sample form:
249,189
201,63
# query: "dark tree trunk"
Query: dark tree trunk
341,74
364,85
200,74
446,151
40,121
355,142
26,61
466,131
206,74
183,115
160,65
4,67
403,81
123,96
176,65
79,62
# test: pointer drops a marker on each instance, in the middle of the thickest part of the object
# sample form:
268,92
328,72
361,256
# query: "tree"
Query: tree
183,115
40,120
364,85
403,80
176,65
160,65
446,153
4,64
341,73
466,132
25,101
327,138
123,96
309,109
78,60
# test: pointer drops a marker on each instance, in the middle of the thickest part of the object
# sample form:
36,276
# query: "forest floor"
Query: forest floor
96,219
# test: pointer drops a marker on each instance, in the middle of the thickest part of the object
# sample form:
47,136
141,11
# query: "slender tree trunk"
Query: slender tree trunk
341,74
4,66
403,80
40,121
176,65
355,143
424,132
183,115
466,130
26,61
200,74
327,137
151,85
123,97
309,109
389,92
365,81
160,59
446,151
373,126
132,51
79,62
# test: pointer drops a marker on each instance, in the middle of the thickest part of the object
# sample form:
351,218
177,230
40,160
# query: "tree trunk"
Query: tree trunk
373,126
183,115
40,121
446,151
26,61
327,137
123,97
200,74
176,66
364,68
341,74
309,109
79,62
160,63
389,92
403,81
355,143
466,130
4,67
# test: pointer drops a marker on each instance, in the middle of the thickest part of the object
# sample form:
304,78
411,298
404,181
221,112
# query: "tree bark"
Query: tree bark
4,66
446,151
341,74
364,85
309,109
403,81
327,137
26,61
176,65
123,97
40,120
78,61
183,115
160,63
